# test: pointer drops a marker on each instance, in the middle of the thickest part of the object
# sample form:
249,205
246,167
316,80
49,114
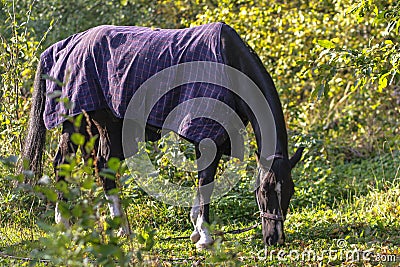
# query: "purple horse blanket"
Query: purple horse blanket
104,66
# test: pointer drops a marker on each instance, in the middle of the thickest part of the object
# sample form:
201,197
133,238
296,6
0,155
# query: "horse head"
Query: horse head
275,188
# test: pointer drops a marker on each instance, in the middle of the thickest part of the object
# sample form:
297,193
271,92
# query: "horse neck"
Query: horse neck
281,145
242,57
280,125
267,87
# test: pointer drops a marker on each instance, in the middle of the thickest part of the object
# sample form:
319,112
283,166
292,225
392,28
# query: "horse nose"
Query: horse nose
277,237
272,241
275,240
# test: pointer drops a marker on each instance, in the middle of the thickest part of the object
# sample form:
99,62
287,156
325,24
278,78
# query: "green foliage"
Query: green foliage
336,68
91,240
18,47
372,66
375,62
317,48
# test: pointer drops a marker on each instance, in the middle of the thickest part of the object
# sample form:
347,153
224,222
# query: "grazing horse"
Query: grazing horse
100,70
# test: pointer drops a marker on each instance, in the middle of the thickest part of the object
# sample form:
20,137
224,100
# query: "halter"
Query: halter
271,216
275,156
268,215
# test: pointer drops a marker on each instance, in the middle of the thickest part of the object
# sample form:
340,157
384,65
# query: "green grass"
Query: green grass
367,224
356,215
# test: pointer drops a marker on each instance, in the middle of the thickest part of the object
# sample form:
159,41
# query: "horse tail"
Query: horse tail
36,136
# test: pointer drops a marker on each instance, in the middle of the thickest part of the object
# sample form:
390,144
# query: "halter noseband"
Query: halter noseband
268,215
271,216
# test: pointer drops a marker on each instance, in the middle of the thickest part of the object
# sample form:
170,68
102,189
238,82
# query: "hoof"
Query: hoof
204,243
195,236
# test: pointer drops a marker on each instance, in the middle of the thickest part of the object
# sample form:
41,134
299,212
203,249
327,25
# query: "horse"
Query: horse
87,60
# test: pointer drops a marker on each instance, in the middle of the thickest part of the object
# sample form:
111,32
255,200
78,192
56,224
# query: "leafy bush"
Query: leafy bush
335,64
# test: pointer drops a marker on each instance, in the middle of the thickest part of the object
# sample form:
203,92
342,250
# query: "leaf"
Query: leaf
45,226
141,239
62,186
107,173
88,183
388,42
77,139
63,208
77,211
55,94
109,249
58,82
326,44
326,90
114,164
336,40
50,194
78,120
89,146
382,84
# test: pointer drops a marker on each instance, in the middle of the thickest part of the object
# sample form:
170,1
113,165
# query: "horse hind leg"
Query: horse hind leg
116,211
66,148
114,202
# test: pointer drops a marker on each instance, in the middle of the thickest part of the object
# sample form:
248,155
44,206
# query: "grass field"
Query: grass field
353,220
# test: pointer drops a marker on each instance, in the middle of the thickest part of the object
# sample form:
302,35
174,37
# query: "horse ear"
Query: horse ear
296,157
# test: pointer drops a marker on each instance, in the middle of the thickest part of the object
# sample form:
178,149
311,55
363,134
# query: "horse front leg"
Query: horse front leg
194,213
203,219
110,146
201,208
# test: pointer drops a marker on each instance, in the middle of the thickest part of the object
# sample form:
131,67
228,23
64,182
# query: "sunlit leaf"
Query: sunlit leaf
78,139
326,44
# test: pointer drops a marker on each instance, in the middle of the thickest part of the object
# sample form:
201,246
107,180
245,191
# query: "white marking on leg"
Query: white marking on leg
114,205
59,218
194,214
115,208
205,240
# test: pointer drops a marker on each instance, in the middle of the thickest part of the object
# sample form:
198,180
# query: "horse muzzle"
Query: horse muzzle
273,232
